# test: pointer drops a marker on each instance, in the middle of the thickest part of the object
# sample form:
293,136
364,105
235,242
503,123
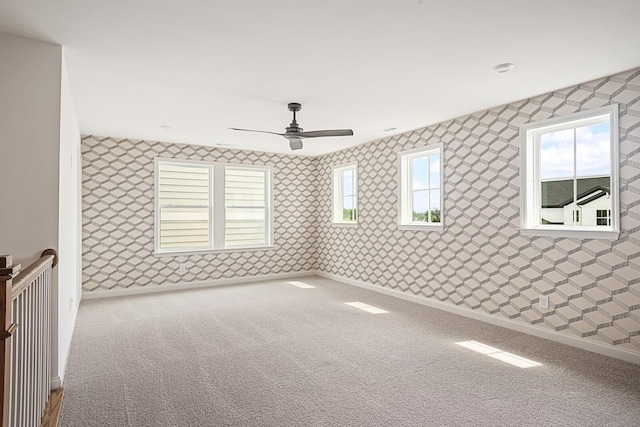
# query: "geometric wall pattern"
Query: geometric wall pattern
118,208
480,261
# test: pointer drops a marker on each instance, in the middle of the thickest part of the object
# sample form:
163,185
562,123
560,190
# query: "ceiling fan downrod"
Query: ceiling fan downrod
293,127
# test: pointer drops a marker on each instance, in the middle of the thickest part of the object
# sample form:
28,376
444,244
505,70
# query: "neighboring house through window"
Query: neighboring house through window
420,196
345,194
203,206
570,175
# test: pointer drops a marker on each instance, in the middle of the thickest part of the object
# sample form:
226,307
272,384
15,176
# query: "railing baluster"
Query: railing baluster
42,395
14,377
47,376
24,347
32,353
36,350
28,352
17,361
39,349
44,376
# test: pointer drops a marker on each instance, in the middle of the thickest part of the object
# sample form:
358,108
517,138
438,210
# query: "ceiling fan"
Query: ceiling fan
294,133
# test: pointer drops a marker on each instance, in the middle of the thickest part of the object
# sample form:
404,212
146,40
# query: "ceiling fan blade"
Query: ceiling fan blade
320,133
295,143
260,131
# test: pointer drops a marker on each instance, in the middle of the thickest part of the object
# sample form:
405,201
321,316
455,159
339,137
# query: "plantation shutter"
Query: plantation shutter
246,207
184,205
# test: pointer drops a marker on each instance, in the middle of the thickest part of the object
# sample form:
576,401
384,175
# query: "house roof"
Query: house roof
558,194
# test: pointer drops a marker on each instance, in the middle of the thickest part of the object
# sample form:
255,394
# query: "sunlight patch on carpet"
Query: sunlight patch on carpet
301,285
504,356
366,307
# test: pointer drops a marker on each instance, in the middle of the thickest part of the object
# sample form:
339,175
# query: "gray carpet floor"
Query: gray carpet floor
272,354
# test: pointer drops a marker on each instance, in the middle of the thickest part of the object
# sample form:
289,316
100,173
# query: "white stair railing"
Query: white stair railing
25,340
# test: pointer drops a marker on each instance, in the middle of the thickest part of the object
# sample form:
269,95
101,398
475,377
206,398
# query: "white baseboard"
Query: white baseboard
55,383
606,350
193,285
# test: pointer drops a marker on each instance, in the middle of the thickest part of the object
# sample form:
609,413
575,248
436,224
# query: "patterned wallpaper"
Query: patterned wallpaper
117,217
480,261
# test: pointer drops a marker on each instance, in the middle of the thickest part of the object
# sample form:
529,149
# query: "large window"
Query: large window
420,195
207,206
570,175
345,194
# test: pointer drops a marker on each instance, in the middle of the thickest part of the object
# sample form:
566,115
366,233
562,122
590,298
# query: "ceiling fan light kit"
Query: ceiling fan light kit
294,133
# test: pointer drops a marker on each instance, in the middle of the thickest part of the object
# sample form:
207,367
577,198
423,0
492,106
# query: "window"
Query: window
208,206
183,204
246,206
420,198
569,175
603,217
345,194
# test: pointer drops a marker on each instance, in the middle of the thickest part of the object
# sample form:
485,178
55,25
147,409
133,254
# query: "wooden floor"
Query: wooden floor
52,410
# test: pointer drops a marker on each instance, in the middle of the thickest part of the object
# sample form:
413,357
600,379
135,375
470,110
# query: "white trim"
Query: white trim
180,286
405,187
156,201
345,224
55,383
570,233
420,150
337,196
585,116
270,205
592,346
425,227
529,179
217,211
215,251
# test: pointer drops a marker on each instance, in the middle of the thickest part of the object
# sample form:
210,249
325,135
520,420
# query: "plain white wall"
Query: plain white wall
39,174
69,219
29,142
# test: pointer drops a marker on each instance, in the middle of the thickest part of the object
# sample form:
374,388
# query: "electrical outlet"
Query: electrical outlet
183,266
544,301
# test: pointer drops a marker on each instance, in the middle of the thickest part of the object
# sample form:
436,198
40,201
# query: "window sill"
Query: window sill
571,234
415,227
213,251
345,224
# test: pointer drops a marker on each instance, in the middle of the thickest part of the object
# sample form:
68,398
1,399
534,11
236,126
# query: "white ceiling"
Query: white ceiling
203,66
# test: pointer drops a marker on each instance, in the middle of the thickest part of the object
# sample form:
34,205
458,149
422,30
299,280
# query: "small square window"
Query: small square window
603,217
570,175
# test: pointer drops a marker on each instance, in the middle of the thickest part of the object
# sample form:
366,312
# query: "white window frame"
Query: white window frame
216,208
530,181
337,175
405,188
